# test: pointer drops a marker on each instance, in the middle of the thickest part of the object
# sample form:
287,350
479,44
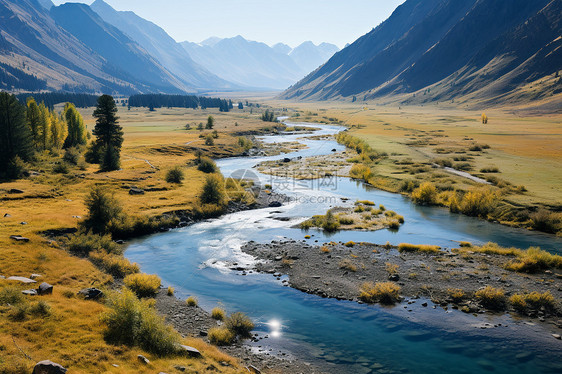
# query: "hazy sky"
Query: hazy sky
269,21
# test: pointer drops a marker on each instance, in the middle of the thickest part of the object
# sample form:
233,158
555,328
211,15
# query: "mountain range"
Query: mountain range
81,48
432,50
254,64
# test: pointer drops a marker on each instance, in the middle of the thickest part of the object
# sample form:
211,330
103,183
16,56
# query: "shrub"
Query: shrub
15,169
240,324
384,293
221,336
330,223
83,243
365,202
191,301
518,302
465,244
490,169
19,312
72,155
175,175
360,171
546,221
102,209
347,264
209,140
170,291
346,220
213,191
537,300
425,194
491,298
218,314
456,294
477,203
134,322
533,260
115,265
143,285
11,296
207,165
61,168
405,247
40,309
391,268
350,243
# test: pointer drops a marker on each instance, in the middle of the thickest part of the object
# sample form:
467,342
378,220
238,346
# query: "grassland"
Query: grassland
72,334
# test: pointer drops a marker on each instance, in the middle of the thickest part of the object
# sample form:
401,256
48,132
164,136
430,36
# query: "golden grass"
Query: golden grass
491,298
191,301
384,293
218,313
347,264
424,248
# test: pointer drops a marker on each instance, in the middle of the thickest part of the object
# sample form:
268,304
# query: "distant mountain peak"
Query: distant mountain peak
211,41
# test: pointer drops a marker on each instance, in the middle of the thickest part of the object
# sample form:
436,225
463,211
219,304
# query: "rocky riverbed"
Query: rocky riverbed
449,279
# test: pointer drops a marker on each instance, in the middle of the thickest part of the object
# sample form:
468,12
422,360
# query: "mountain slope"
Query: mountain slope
160,45
31,44
309,56
125,58
246,62
456,47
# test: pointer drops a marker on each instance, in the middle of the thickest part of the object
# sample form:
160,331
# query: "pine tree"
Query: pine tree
15,135
108,132
77,134
210,123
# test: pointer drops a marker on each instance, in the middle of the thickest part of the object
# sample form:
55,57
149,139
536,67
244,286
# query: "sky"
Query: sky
270,21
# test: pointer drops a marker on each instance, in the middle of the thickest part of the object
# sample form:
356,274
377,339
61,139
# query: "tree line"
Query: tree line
29,129
50,99
179,101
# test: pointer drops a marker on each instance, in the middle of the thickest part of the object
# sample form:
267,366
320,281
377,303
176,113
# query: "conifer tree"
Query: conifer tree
15,135
108,132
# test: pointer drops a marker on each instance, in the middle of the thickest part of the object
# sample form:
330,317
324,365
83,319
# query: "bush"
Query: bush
40,309
213,191
11,296
361,171
191,301
476,203
240,324
384,293
405,247
143,285
15,169
61,168
533,260
170,291
207,165
115,265
72,155
346,220
221,336
330,223
175,175
456,294
103,208
218,314
83,243
491,298
350,244
425,194
347,264
209,140
134,322
537,300
518,302
546,221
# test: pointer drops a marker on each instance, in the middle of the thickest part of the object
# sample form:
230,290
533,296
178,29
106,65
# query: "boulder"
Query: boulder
45,289
22,280
394,278
7,215
32,292
190,351
19,238
143,359
286,159
15,190
275,204
136,191
33,276
91,293
48,367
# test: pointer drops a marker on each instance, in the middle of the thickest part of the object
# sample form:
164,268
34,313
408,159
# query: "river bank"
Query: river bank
447,279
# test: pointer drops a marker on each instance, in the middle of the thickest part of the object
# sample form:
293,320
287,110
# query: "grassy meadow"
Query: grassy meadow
70,333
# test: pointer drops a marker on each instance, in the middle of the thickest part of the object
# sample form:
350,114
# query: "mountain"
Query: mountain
35,53
247,63
159,45
309,56
257,65
125,58
282,48
446,49
47,4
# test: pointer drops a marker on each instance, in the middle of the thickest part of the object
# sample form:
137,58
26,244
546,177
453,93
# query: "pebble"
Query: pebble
556,336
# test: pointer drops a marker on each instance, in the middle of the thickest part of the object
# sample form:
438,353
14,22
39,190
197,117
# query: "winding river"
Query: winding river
342,336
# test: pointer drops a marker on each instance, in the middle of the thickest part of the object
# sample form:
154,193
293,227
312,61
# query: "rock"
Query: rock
190,351
424,304
120,241
18,238
394,277
48,367
7,215
252,369
136,191
91,293
22,280
33,276
23,223
143,359
333,150
286,159
275,204
31,292
556,336
180,368
45,289
15,190
203,333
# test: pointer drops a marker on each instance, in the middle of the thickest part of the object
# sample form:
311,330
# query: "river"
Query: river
342,336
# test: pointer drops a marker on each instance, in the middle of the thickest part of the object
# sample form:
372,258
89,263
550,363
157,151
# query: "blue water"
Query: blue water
339,336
